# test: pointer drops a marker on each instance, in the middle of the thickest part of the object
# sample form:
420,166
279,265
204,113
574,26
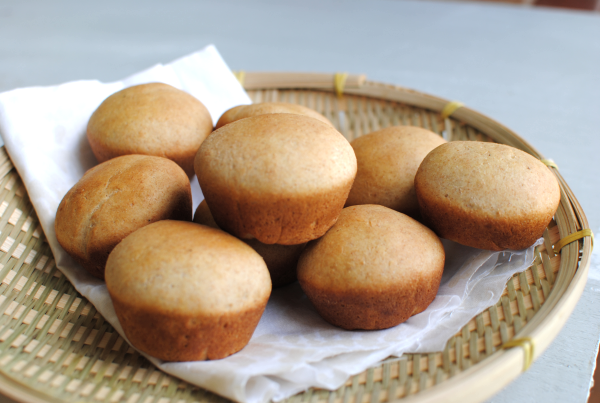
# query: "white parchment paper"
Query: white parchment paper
292,348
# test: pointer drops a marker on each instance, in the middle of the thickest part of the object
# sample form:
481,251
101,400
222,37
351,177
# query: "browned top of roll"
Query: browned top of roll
371,248
487,180
276,154
191,267
388,160
245,111
151,119
117,197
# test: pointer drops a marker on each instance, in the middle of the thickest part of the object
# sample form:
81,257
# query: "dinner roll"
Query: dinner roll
486,195
388,160
151,119
373,269
114,199
281,260
279,178
187,292
245,111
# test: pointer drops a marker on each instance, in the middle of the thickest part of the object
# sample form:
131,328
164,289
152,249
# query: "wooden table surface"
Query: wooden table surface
536,70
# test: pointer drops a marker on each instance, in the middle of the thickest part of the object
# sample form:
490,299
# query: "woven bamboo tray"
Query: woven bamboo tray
54,346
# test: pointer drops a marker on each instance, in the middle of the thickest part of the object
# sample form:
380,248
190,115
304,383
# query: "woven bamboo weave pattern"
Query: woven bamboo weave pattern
53,344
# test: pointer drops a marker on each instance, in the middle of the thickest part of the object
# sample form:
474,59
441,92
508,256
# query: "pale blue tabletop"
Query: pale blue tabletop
535,70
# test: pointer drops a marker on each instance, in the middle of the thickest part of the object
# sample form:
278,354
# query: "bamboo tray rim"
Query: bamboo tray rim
472,384
506,364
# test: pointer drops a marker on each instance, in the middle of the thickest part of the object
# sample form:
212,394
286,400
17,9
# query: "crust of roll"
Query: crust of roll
373,269
114,199
151,119
279,178
486,195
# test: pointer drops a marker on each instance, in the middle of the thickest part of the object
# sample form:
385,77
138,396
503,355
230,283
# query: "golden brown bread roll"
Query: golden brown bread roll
281,260
245,111
373,269
485,195
279,178
114,199
150,119
388,160
187,292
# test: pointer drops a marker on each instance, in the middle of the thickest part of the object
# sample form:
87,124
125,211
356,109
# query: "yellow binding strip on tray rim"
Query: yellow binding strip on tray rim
549,163
526,343
339,82
240,75
450,108
572,238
